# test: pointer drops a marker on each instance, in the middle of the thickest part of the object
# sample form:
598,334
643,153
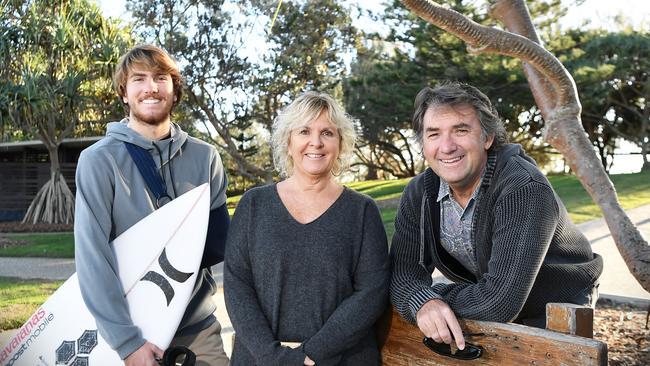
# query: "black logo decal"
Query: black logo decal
66,352
161,282
87,342
170,271
80,361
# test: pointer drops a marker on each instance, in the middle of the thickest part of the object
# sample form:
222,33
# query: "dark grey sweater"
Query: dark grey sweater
528,251
323,283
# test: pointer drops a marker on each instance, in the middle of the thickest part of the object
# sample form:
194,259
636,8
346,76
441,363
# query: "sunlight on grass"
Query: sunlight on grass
381,189
377,189
633,191
19,299
232,201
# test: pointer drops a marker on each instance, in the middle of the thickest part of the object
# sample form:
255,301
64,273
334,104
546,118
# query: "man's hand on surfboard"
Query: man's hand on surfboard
144,356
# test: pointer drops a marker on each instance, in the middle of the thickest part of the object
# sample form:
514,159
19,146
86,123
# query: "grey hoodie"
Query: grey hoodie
112,196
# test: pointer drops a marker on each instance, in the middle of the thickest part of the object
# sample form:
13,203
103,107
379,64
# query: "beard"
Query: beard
154,118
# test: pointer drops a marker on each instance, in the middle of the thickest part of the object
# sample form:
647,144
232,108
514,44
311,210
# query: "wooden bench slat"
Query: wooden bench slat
503,344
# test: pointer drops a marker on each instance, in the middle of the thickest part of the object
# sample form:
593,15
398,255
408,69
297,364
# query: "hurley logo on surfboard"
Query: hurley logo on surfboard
171,272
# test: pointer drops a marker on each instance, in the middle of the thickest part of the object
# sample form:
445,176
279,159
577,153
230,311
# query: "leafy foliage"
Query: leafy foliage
391,70
56,82
235,93
611,73
304,53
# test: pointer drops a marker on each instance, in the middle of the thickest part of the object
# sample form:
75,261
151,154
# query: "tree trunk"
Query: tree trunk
246,168
557,99
645,147
372,173
54,202
519,22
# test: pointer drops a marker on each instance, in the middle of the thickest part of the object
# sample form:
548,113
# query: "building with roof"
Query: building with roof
25,167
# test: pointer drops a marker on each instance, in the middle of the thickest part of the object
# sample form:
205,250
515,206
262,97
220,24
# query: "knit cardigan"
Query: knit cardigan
528,251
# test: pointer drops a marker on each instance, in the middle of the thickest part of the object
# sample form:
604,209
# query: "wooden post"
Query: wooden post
570,319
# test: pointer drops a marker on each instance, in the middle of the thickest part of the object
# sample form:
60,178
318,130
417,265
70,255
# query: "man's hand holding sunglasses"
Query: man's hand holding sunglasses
437,321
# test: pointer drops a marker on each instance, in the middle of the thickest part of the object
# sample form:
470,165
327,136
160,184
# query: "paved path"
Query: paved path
616,282
43,268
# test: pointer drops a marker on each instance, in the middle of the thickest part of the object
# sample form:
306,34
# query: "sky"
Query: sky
599,12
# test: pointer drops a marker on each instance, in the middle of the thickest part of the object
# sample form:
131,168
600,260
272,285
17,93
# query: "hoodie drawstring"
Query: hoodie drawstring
171,171
162,172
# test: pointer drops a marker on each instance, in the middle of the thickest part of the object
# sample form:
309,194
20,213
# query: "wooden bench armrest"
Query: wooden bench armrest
504,344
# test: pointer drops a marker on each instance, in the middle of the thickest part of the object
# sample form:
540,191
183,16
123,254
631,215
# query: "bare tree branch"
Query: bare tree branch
491,40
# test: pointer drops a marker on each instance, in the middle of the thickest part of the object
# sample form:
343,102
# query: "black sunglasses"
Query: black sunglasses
470,352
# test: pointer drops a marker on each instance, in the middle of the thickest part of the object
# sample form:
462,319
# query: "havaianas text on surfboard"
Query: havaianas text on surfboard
25,331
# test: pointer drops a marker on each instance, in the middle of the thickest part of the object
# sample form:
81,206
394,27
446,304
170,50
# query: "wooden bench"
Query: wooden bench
566,341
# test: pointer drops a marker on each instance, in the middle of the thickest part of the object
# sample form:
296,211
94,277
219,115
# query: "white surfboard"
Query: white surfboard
158,262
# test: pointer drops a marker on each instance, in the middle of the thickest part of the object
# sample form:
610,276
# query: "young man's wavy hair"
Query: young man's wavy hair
454,94
150,58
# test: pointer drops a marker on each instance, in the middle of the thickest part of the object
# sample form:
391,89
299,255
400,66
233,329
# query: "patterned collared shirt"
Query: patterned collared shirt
456,226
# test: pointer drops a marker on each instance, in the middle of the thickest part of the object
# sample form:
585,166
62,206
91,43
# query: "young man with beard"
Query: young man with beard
112,196
488,219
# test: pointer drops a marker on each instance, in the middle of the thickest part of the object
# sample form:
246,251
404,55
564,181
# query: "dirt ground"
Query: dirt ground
623,328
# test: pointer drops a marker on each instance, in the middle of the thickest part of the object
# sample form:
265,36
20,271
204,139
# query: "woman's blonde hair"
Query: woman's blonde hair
304,109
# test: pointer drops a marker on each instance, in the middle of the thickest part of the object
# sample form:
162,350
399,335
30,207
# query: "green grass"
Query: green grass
633,191
377,189
19,298
380,189
54,245
388,218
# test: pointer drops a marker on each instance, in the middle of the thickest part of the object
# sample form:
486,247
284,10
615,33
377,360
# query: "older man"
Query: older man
488,219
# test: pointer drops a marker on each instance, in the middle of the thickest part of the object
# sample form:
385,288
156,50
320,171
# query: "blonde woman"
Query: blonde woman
306,270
